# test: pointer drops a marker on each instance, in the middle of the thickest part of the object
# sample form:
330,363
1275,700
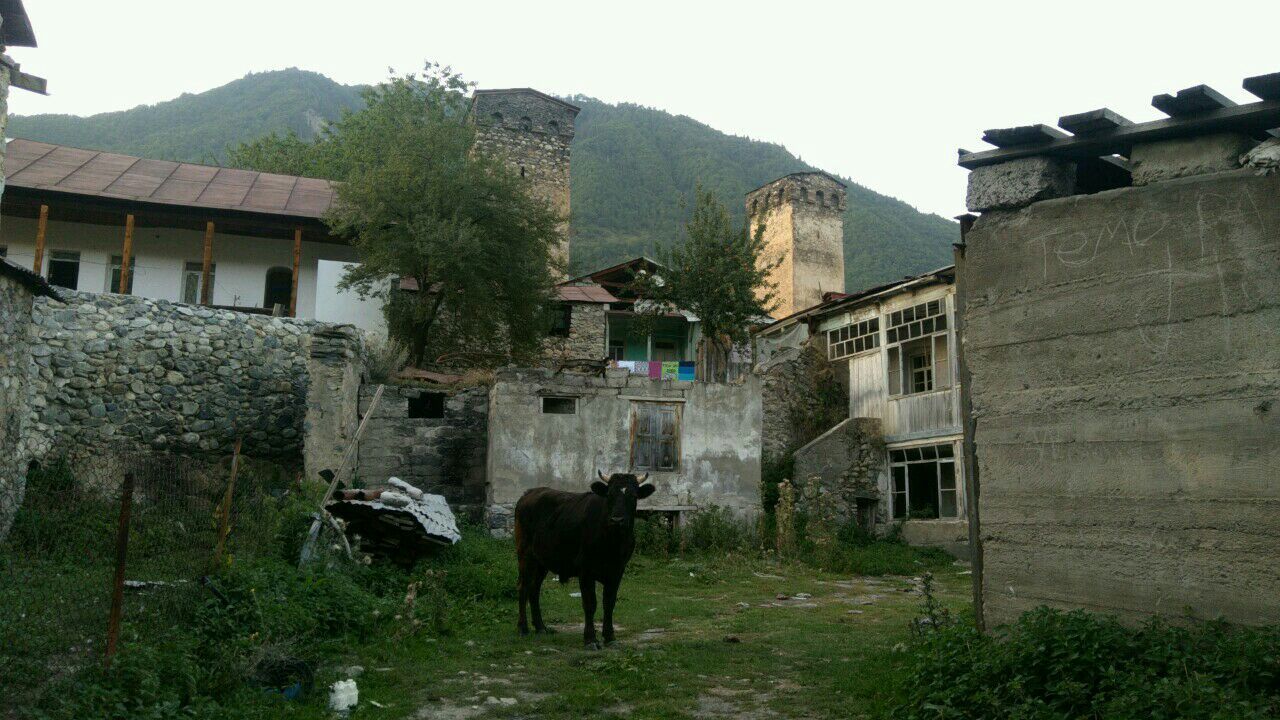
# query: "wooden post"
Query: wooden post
127,254
224,523
297,261
206,292
43,226
122,552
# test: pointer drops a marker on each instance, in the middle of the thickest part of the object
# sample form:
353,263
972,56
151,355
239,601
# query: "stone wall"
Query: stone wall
848,461
803,220
15,315
443,454
1125,368
114,370
718,438
792,389
588,330
336,368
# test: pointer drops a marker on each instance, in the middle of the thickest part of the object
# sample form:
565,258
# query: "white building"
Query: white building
192,233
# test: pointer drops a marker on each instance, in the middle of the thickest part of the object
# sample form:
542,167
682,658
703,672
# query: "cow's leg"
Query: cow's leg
522,589
610,597
588,586
535,599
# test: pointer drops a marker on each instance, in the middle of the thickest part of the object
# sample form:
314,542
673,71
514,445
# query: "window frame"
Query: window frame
905,330
66,258
542,404
562,321
864,333
195,268
115,266
643,430
939,455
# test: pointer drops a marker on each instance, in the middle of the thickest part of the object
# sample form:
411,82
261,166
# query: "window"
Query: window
554,127
655,433
822,199
496,118
924,482
617,349
279,287
426,406
525,123
562,320
559,405
918,348
113,274
853,339
191,273
521,171
64,269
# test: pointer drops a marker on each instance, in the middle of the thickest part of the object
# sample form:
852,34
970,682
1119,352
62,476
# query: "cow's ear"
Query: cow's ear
600,489
645,491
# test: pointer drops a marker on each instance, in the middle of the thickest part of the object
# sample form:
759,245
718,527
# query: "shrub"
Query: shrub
1052,664
716,529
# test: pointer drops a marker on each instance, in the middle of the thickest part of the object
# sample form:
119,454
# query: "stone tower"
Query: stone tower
803,216
533,131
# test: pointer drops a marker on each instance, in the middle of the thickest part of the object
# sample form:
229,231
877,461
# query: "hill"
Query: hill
632,166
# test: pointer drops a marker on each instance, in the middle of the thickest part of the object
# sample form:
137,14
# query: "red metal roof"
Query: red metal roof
585,294
41,166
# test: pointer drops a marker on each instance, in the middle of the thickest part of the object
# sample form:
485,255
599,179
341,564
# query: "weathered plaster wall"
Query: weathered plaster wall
15,316
335,366
719,438
588,330
1126,389
109,370
444,455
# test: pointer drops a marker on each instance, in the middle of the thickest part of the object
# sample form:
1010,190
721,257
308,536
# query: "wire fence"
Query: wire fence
68,560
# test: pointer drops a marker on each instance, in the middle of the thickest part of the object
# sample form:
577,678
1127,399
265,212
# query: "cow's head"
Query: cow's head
620,492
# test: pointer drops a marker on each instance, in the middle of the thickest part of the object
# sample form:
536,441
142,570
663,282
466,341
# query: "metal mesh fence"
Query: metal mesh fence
60,561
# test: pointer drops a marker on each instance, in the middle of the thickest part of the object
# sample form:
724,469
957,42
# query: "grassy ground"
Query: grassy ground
696,639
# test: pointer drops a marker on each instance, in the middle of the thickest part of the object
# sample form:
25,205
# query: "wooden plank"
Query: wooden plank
206,289
297,261
41,228
1191,101
126,255
1251,118
1093,122
117,583
1022,135
1266,87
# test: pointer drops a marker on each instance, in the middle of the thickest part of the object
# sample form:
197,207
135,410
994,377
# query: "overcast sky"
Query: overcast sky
881,94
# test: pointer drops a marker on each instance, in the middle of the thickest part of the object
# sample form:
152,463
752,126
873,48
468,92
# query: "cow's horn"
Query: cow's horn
602,477
644,479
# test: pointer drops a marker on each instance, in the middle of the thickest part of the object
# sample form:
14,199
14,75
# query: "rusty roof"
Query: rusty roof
588,293
41,166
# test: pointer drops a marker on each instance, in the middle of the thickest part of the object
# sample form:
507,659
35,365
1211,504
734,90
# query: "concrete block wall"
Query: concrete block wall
15,356
1125,357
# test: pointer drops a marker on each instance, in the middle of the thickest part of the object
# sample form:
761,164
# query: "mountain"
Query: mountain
633,166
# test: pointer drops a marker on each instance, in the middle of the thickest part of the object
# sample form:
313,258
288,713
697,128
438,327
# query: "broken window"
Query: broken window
562,319
655,433
559,405
64,269
426,406
924,482
113,275
919,357
853,339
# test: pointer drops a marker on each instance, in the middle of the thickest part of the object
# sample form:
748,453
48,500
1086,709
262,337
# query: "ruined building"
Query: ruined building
803,217
1119,303
533,131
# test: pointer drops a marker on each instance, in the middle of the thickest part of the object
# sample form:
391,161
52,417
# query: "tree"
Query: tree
419,201
720,275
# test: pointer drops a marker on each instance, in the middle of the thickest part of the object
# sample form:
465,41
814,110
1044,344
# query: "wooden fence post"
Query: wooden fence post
122,551
224,523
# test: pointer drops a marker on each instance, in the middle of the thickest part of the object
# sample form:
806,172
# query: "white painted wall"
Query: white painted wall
241,262
337,306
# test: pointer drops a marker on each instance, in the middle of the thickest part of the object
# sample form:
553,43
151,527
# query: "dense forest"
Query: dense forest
633,167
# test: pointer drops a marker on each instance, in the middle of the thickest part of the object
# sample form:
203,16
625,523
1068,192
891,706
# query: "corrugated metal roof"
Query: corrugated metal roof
41,166
585,294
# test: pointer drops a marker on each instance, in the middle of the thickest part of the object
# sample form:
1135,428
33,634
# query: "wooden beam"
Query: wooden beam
206,292
1093,122
297,261
41,228
1251,118
1023,135
1190,101
1266,87
126,255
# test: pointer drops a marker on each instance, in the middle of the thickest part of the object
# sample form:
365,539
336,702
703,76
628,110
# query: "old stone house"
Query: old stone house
893,350
1120,306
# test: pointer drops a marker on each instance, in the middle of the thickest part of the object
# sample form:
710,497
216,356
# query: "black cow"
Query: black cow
588,535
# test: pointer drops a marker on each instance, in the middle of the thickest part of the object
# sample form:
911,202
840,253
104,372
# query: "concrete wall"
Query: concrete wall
241,263
1126,389
444,455
719,438
15,316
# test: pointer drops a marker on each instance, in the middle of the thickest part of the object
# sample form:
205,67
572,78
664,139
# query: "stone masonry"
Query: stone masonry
848,462
442,450
803,218
588,329
15,312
